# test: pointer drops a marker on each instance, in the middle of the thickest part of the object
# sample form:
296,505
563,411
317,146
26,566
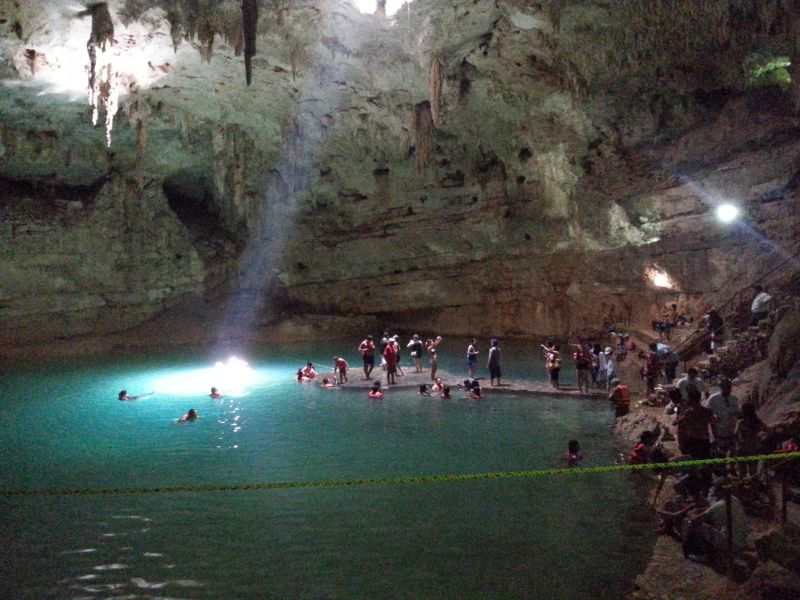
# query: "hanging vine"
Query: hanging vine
423,128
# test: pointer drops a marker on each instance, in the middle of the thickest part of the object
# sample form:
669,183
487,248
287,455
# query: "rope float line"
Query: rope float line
387,481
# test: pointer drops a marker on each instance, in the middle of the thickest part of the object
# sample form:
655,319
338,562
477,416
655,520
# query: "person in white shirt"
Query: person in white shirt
725,407
692,378
760,306
706,532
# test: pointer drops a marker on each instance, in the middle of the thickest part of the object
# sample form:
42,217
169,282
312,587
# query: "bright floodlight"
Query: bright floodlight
233,378
659,278
727,213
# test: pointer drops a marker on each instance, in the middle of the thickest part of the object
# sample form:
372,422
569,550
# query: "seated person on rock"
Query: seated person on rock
706,531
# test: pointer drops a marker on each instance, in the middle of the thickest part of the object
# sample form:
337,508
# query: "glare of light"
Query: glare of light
233,377
727,213
659,278
368,6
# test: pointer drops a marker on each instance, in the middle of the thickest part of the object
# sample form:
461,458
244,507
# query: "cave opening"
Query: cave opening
190,195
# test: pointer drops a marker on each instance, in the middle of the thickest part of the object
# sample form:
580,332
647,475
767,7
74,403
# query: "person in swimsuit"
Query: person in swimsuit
367,350
308,372
445,392
432,346
123,396
574,456
375,393
215,394
189,416
340,368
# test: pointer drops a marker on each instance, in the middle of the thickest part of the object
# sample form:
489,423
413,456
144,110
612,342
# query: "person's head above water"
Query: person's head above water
376,385
310,365
123,394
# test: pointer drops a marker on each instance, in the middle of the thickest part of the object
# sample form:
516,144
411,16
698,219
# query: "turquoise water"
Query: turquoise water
61,425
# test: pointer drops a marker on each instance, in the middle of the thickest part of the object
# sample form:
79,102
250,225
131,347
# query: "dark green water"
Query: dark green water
61,425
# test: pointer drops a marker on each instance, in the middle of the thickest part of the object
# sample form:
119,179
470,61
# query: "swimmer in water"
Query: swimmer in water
189,416
123,396
423,390
328,383
215,394
376,393
574,455
445,392
308,372
475,392
437,386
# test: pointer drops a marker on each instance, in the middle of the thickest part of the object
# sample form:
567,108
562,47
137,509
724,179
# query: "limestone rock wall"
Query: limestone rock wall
573,150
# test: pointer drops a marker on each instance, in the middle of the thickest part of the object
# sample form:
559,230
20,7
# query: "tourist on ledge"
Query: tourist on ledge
493,363
367,350
472,358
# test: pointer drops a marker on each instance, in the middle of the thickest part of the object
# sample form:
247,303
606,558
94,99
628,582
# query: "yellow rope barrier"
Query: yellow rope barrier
400,480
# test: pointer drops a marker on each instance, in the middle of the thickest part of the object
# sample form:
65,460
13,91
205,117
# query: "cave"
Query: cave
419,270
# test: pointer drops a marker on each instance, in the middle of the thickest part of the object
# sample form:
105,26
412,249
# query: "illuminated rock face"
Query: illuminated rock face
564,167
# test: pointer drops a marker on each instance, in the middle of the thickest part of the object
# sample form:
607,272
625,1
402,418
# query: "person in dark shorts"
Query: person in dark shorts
494,362
367,350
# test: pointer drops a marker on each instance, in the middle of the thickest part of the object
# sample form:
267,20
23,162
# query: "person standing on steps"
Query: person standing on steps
472,358
725,407
494,362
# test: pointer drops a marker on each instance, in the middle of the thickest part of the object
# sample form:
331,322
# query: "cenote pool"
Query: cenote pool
61,425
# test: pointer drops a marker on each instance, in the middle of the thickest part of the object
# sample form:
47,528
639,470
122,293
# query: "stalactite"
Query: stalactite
250,30
103,79
423,128
435,86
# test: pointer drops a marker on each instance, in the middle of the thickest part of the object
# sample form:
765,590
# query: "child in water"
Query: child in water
189,416
574,455
375,393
